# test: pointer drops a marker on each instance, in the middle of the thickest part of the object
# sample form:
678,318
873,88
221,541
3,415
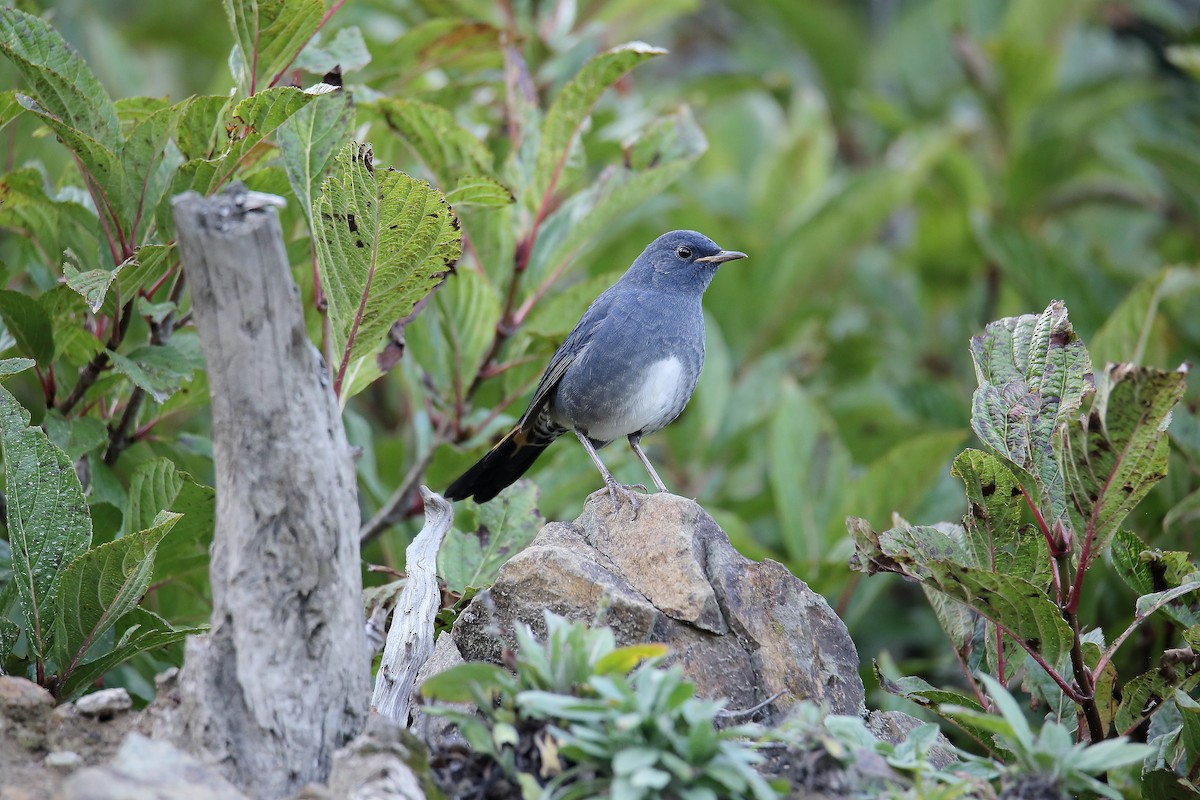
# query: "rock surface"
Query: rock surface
741,630
148,769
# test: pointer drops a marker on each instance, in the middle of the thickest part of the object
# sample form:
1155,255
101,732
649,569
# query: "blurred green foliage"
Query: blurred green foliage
900,172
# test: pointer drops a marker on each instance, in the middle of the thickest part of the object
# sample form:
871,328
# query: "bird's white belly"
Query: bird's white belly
655,401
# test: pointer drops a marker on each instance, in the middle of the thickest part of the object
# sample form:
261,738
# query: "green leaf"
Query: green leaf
145,267
1033,374
11,366
1148,570
29,325
478,190
441,43
1143,695
153,486
573,105
1121,450
926,554
454,685
384,242
1164,784
1189,710
93,284
109,183
58,76
10,109
453,341
101,586
308,142
505,526
269,34
254,118
48,522
77,435
808,470
897,480
145,161
9,633
159,369
623,660
1127,333
664,152
345,51
139,631
445,148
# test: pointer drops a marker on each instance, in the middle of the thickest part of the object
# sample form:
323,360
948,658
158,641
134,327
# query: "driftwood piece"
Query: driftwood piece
410,639
282,680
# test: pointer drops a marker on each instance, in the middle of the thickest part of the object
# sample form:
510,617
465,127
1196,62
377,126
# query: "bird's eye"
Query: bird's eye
683,252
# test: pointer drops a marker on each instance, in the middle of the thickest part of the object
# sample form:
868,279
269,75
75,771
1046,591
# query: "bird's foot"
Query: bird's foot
616,491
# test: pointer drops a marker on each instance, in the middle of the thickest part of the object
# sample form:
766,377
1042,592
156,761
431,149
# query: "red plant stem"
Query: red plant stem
362,306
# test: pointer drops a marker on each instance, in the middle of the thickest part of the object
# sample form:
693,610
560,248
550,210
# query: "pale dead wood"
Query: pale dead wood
281,681
410,639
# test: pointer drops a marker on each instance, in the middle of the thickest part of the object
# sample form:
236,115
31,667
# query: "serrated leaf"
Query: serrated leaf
139,631
108,181
479,190
1020,608
505,526
384,242
1121,451
201,130
92,284
345,51
308,142
48,522
153,486
1144,695
573,105
145,267
925,694
158,369
1145,569
253,119
101,586
58,76
144,158
269,35
29,325
11,366
445,148
1033,374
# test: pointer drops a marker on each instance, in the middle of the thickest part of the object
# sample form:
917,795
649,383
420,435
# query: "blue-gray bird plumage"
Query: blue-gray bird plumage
627,369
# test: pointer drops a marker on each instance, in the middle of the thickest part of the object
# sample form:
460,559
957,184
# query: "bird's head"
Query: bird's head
683,259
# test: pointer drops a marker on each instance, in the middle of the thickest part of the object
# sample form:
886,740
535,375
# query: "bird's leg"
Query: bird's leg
635,442
614,489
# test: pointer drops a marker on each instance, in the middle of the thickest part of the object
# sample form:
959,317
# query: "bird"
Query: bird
627,369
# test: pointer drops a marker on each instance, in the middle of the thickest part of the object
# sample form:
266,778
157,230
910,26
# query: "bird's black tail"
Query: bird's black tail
503,464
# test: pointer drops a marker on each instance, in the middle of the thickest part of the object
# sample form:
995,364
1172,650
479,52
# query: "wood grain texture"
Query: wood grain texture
282,680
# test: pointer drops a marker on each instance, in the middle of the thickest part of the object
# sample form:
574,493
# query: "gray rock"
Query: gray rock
25,710
64,760
741,630
149,769
105,703
374,766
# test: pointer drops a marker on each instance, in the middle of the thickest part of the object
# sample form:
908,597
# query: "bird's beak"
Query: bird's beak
721,257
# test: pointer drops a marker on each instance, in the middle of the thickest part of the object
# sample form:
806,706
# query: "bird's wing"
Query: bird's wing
574,346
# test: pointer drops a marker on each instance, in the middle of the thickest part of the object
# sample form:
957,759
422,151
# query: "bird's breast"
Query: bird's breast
638,400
